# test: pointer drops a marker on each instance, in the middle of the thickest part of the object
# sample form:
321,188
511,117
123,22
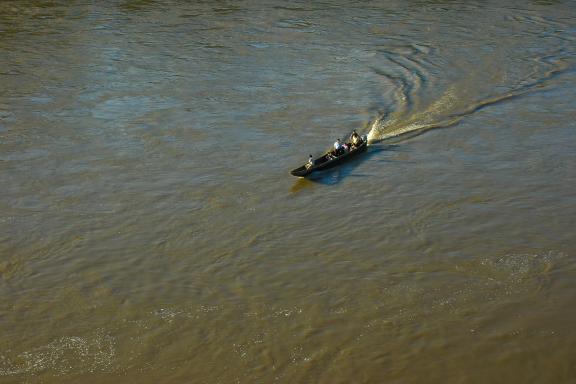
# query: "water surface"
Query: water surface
150,231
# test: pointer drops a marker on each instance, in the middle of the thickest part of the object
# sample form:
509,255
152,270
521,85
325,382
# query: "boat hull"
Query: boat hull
324,162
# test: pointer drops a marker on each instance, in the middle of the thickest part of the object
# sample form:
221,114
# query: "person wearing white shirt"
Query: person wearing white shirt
310,162
337,147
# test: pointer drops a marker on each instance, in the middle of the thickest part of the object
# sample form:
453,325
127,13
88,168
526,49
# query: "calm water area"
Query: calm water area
150,231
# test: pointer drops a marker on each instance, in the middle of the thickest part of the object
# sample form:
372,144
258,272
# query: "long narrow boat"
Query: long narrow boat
326,161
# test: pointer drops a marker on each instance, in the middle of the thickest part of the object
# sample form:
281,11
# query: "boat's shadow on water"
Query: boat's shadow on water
335,175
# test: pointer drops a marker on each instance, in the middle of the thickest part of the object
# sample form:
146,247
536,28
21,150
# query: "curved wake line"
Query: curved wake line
382,129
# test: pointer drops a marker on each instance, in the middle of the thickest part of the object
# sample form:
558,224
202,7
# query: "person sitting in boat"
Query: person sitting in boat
310,162
337,147
346,147
355,138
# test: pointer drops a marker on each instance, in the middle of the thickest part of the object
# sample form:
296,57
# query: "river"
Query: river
150,231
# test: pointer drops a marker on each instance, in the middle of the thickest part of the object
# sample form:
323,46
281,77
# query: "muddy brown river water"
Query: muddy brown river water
150,231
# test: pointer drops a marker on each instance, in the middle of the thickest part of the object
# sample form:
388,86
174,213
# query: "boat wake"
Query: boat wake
409,116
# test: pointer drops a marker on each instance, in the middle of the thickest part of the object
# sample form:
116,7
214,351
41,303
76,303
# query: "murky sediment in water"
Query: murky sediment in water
150,232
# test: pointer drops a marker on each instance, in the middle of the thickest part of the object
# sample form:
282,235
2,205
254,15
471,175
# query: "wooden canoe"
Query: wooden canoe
325,162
